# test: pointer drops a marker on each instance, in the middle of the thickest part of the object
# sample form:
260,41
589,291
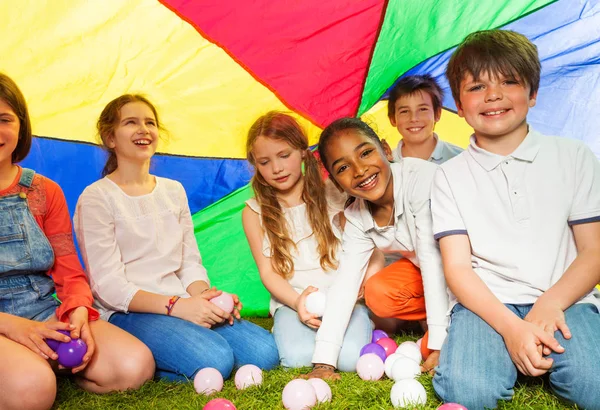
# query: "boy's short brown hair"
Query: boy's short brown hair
495,52
412,84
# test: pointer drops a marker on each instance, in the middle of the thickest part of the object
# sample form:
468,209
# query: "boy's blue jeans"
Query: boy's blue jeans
476,370
296,341
181,348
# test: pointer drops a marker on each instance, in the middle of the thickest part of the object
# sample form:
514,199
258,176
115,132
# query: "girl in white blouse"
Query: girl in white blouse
137,239
293,239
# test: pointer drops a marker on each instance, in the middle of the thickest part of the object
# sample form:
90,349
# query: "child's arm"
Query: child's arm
275,284
584,272
522,339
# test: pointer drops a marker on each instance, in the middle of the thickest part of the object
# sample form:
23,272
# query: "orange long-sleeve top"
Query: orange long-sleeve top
49,208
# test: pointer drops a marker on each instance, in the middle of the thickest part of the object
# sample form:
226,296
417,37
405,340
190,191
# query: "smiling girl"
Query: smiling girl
136,235
391,213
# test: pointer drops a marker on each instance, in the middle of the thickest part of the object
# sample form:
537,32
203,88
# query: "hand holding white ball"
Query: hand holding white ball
315,303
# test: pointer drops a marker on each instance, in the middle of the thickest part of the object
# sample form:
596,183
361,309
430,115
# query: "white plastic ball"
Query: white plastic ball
389,362
298,395
408,392
370,367
316,302
411,350
405,368
322,389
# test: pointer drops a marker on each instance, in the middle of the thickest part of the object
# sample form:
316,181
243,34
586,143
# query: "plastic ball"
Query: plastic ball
405,368
248,375
408,392
378,334
207,381
322,389
219,404
224,301
299,395
389,363
70,354
418,342
452,406
388,344
53,343
374,348
370,367
411,350
315,303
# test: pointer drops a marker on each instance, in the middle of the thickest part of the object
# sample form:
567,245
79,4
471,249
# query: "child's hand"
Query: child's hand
32,335
81,330
550,318
199,310
237,306
322,371
524,341
305,316
430,364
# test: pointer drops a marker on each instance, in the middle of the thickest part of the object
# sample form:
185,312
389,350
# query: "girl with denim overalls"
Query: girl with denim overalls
37,257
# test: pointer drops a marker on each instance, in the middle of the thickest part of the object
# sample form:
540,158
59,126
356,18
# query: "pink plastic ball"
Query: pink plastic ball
452,406
224,301
388,344
419,342
207,381
370,367
219,404
298,395
248,375
322,389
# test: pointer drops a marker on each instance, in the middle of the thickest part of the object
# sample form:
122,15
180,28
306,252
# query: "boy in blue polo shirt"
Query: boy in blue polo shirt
517,216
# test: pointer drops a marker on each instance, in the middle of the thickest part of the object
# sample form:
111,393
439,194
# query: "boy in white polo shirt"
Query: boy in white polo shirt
517,216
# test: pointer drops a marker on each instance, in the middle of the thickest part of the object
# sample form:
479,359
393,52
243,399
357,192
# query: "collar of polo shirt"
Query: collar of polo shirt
526,151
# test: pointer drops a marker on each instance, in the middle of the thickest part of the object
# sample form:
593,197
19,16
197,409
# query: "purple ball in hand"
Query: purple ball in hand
53,343
71,354
378,334
374,348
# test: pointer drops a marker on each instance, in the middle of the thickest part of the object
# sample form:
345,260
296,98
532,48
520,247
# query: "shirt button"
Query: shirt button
22,195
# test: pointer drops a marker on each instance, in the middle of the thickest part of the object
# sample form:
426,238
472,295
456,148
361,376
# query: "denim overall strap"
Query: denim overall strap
26,177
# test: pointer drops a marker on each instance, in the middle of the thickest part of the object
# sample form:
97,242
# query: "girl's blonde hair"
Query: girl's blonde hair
283,127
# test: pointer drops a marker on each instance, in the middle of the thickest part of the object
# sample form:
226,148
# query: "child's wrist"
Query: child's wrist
171,305
323,366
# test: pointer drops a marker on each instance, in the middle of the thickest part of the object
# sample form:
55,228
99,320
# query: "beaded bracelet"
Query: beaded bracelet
324,367
172,302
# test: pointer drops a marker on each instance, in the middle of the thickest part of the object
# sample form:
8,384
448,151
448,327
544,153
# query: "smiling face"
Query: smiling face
278,163
135,137
9,133
415,117
495,107
358,165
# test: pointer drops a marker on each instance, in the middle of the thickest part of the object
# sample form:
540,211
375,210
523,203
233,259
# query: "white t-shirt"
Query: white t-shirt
132,243
307,266
411,235
518,211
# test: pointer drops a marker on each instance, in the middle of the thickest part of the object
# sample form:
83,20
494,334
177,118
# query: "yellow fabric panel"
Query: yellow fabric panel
450,128
71,57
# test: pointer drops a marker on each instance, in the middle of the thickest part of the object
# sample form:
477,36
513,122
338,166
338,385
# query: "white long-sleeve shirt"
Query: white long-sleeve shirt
132,243
411,235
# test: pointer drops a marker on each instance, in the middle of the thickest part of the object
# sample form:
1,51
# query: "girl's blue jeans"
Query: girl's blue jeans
476,370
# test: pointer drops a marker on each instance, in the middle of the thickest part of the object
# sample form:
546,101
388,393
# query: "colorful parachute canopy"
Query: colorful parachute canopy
212,67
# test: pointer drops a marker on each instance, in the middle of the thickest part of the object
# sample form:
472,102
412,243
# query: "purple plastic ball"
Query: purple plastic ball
71,354
53,344
374,348
378,334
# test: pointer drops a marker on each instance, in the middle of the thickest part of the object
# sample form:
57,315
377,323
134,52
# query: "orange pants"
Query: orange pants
397,291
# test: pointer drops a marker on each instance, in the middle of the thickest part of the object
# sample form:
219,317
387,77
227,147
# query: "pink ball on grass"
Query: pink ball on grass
219,404
452,406
224,301
207,381
374,348
370,367
388,344
298,395
248,375
378,334
322,389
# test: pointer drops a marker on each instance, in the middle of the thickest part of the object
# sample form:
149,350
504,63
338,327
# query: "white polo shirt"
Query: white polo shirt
410,235
442,152
518,211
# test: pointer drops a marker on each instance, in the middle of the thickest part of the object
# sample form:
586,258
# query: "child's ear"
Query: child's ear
109,141
459,109
392,120
438,115
387,150
532,99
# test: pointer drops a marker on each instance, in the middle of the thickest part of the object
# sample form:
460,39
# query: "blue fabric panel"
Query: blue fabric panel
76,165
567,34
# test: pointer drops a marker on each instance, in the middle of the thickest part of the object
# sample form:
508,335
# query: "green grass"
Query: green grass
349,393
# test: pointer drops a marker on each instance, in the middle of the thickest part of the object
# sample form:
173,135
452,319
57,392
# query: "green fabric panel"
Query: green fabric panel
226,254
414,31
